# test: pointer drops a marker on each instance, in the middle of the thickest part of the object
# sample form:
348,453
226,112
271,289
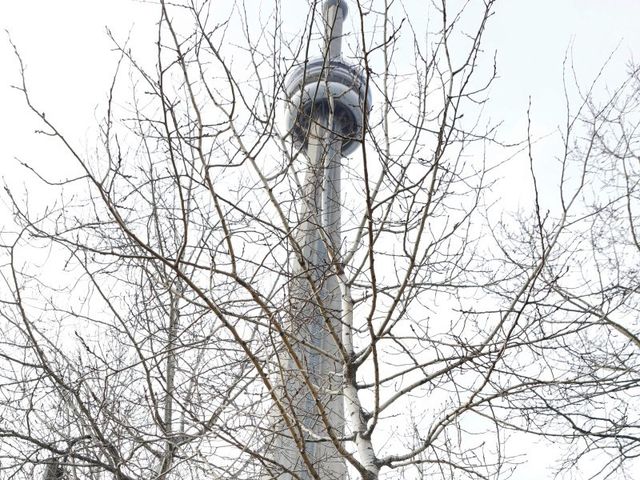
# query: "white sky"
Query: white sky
70,64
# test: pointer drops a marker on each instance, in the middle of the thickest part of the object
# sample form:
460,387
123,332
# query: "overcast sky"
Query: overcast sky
70,64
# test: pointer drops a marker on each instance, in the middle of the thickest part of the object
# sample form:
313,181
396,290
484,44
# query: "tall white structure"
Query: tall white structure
326,106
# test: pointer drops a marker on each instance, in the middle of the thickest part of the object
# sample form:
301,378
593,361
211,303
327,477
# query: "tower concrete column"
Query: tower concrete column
325,118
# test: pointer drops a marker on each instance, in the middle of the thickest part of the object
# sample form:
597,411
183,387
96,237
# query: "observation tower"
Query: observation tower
327,103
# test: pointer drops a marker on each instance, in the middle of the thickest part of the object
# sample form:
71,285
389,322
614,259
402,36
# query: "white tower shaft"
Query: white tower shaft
327,101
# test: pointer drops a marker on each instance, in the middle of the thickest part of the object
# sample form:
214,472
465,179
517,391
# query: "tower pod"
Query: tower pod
312,89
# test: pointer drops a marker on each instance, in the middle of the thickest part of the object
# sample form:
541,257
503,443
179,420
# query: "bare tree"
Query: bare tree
580,312
157,337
